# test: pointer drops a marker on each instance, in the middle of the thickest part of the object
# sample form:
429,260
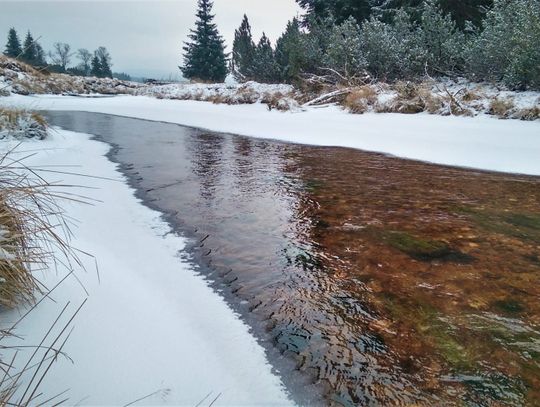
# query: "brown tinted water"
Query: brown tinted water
385,281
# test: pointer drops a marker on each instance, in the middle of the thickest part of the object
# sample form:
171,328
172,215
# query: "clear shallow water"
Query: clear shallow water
374,279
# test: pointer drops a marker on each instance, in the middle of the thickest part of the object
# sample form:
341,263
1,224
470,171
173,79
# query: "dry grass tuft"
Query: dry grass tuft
20,123
501,108
470,96
529,114
29,219
34,237
359,99
18,66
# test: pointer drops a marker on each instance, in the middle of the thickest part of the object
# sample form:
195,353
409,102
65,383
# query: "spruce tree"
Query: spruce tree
40,55
266,69
96,67
290,54
243,52
104,62
204,57
29,54
13,47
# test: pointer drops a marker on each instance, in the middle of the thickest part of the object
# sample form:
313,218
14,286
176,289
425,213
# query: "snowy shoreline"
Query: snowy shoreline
481,142
148,314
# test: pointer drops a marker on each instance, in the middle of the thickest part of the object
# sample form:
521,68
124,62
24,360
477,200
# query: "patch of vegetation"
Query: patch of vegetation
518,225
321,224
533,258
432,331
509,306
524,221
313,185
424,249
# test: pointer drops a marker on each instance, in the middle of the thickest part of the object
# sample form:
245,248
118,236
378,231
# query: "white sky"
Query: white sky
144,37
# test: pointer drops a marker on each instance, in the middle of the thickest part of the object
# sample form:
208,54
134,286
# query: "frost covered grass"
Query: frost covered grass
446,98
34,237
21,124
32,228
441,97
279,96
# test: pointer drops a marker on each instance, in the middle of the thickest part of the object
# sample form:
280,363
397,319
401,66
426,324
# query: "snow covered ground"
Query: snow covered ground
481,142
151,324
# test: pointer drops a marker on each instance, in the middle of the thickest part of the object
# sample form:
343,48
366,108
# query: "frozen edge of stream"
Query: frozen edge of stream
481,142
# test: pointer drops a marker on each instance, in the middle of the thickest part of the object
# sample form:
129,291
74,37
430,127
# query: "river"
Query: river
369,280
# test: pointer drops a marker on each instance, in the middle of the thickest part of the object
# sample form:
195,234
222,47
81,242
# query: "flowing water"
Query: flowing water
371,280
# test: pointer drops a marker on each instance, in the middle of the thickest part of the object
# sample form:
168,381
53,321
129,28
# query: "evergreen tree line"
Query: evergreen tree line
386,40
362,10
59,59
502,46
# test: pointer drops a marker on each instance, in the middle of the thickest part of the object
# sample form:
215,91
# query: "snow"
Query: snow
151,324
481,142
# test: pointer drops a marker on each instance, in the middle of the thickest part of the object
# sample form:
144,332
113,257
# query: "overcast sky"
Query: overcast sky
144,37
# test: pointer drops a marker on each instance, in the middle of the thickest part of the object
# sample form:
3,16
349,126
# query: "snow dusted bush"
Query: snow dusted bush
405,50
392,50
508,49
344,54
440,39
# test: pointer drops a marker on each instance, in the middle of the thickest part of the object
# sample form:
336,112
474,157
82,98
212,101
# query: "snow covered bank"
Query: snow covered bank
20,78
481,142
150,323
441,97
278,96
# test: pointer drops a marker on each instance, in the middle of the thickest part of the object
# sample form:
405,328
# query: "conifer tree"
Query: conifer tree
507,49
40,55
13,47
105,63
96,67
29,54
290,53
265,68
340,10
442,41
204,56
243,52
344,54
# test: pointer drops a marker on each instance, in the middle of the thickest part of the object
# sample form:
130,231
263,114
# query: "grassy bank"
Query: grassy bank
33,233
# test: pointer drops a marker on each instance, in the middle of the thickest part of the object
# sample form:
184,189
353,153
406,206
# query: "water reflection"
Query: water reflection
386,281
